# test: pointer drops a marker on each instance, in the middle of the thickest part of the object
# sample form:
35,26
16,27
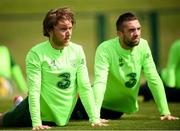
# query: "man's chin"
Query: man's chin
135,43
66,43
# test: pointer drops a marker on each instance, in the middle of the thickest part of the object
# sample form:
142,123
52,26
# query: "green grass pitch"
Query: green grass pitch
147,118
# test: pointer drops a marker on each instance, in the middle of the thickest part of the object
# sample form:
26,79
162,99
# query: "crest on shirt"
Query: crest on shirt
121,61
82,61
52,64
73,63
147,55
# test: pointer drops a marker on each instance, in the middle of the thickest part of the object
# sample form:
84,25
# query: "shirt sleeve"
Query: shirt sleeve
84,88
154,82
33,70
101,68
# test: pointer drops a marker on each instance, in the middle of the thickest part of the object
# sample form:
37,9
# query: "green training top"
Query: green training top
117,77
5,66
10,70
55,77
171,74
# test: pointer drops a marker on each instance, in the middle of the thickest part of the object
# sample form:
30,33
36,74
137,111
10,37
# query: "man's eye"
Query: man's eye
63,29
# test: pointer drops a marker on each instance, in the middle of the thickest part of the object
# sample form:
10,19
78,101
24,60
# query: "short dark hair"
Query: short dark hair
124,17
53,16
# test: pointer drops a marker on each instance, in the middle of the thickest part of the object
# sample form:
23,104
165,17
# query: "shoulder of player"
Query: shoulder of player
176,46
40,46
37,50
108,43
3,47
75,46
143,43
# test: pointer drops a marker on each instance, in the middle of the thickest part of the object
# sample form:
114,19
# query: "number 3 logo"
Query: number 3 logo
132,80
65,81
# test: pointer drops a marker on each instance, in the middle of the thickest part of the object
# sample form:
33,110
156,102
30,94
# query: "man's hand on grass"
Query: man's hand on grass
101,122
41,127
169,117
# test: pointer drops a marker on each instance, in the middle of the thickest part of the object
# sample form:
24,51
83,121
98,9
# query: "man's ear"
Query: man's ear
50,33
119,33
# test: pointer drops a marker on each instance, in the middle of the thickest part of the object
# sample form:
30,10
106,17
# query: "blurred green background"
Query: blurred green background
21,24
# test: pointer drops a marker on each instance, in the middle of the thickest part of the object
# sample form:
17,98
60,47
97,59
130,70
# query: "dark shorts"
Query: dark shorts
172,94
20,116
109,114
80,113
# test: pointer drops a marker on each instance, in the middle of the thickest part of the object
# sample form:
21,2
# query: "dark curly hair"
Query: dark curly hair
53,16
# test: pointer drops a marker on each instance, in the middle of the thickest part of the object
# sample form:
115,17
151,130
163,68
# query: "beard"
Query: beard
60,43
131,43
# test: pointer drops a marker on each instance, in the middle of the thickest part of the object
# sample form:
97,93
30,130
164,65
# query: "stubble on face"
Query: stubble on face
61,34
130,36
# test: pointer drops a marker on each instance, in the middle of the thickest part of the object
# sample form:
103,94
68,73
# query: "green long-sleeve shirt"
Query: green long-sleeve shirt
55,77
171,74
118,73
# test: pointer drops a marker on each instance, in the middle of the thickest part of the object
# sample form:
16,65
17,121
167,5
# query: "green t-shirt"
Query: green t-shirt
171,74
55,77
117,77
